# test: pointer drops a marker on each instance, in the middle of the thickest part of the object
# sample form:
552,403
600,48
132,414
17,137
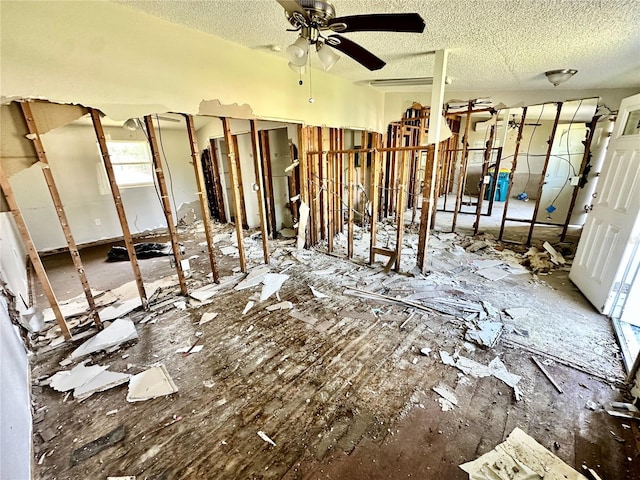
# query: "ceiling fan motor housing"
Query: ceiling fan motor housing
319,12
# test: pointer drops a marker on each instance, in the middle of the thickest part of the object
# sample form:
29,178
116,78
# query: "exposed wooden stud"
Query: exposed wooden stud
166,204
427,211
585,158
62,216
235,189
260,188
117,200
33,253
202,195
350,204
236,157
375,197
543,175
401,207
331,232
303,167
293,182
323,144
462,173
485,171
215,167
267,173
514,164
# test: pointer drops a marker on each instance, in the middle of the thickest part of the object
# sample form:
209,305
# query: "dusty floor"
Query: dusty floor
345,392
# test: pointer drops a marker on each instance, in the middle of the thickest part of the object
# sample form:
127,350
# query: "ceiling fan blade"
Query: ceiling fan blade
355,51
291,6
378,22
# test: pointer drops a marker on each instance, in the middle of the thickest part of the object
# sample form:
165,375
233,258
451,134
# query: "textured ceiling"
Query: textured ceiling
493,44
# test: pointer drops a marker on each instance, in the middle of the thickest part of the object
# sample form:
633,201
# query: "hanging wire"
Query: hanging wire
173,199
524,190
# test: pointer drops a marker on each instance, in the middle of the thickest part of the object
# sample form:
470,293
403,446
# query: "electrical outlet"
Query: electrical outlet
98,221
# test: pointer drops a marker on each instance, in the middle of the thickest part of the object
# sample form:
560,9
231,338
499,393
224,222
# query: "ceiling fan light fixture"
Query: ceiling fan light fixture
298,69
556,77
327,56
297,52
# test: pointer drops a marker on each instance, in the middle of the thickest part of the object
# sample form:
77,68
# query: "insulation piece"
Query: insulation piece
152,383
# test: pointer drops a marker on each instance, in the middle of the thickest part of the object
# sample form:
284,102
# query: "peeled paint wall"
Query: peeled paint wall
127,64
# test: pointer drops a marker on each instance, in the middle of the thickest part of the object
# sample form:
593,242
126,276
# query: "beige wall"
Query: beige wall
128,63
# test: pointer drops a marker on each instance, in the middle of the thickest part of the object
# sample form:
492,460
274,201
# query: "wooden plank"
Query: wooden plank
585,159
215,167
462,174
32,252
514,164
235,189
243,206
117,200
202,195
260,191
270,206
374,195
543,175
350,204
166,204
425,220
62,216
401,206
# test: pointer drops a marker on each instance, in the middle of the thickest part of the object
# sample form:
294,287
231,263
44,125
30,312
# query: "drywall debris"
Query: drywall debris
280,306
64,381
92,448
538,261
493,273
520,457
623,410
303,317
591,473
101,382
203,294
266,438
120,331
130,477
288,233
272,284
317,294
248,307
486,334
425,351
546,374
180,305
190,350
303,213
152,383
326,271
230,251
556,257
447,359
591,405
207,317
120,309
255,277
517,312
111,412
446,394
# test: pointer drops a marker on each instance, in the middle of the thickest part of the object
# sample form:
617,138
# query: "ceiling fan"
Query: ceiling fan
314,17
515,123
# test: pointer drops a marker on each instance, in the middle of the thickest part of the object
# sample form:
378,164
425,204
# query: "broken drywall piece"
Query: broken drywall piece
92,448
180,305
190,350
480,264
272,284
230,251
291,166
120,309
103,381
621,409
254,277
286,305
556,257
317,294
447,359
486,334
446,394
523,458
493,273
207,317
303,317
203,294
64,381
152,383
248,307
120,331
303,213
266,438
517,312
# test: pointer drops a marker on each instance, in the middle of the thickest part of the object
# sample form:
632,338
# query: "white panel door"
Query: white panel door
613,226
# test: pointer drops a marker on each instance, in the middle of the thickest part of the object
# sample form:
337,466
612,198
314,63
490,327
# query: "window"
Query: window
131,162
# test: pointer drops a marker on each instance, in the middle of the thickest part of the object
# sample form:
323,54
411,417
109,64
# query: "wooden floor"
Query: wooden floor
344,393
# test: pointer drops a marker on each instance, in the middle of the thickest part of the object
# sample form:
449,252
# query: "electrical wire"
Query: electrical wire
173,199
524,190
